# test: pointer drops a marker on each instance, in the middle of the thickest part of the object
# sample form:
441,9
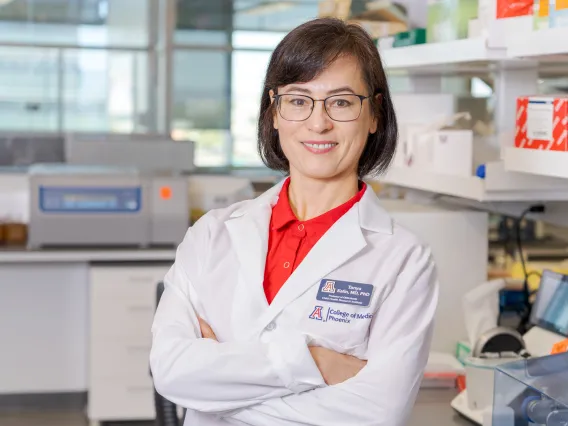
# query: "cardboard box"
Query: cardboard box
449,19
542,123
514,8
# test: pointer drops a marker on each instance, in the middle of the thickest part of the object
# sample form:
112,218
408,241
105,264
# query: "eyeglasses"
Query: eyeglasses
338,107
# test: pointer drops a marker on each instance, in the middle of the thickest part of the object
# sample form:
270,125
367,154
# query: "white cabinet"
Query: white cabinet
122,305
43,327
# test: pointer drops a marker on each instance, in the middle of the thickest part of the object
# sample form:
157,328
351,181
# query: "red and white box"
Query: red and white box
542,123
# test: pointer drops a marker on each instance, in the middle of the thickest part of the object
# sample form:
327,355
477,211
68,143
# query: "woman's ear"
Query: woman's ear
375,121
274,112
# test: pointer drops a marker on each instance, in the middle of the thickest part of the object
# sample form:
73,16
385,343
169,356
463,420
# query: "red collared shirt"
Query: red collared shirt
290,239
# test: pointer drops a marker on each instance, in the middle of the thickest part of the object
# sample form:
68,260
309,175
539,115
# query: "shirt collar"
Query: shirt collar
372,215
282,213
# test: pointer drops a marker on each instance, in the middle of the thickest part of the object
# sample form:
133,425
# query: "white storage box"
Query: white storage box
416,111
452,152
443,151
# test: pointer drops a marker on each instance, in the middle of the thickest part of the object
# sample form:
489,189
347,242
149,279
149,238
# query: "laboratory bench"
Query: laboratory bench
79,321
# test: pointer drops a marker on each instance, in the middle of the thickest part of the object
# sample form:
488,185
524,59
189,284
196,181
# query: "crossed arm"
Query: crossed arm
284,382
192,369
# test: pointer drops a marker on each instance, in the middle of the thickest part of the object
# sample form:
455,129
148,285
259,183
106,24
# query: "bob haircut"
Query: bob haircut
304,54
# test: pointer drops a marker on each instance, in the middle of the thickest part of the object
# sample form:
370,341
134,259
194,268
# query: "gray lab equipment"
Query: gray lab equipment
106,207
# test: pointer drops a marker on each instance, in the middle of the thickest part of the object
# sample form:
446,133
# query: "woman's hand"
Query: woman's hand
335,367
206,330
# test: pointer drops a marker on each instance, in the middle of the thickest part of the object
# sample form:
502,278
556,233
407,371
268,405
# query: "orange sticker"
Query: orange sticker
166,192
560,347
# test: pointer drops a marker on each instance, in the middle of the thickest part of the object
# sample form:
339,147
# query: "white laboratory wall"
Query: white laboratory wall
43,328
459,243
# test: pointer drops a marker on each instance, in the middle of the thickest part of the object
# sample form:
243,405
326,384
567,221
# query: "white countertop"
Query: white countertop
21,255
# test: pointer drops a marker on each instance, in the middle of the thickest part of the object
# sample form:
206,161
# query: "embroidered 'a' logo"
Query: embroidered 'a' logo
316,314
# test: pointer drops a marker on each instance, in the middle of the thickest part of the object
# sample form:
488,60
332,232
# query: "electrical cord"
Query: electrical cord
537,208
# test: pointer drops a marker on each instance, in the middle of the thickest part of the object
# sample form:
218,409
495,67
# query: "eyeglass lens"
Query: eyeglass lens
340,107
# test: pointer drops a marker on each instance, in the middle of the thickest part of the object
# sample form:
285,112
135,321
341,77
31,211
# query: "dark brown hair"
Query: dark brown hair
300,57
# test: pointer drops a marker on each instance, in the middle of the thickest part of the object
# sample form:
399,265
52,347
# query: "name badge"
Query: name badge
345,292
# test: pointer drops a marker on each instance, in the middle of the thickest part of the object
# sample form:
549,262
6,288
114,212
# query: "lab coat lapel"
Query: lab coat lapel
340,243
249,230
249,236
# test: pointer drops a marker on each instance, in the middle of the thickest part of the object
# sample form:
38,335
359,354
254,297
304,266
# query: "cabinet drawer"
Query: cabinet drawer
128,360
134,284
122,321
115,400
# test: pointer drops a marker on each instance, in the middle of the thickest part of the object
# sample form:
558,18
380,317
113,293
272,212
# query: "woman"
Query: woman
307,305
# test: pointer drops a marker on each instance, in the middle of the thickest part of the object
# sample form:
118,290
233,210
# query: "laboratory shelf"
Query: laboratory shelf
537,162
540,44
458,55
498,184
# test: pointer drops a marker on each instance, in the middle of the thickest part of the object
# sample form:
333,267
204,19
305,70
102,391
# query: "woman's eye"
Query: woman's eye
341,103
298,102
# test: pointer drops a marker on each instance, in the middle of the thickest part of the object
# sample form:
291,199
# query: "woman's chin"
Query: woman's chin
319,173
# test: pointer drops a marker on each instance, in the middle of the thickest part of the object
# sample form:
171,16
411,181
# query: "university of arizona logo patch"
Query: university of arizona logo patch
316,314
329,287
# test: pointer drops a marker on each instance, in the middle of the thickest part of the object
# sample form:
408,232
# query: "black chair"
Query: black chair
166,411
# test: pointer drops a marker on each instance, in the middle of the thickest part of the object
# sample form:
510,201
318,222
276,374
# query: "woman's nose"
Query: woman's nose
319,121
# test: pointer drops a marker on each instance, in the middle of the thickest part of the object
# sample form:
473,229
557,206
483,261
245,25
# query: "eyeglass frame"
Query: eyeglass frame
277,97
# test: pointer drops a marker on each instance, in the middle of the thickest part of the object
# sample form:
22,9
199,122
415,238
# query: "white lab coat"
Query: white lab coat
261,373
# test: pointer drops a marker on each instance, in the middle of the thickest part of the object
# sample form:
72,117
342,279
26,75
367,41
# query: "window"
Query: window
201,103
248,70
99,66
249,63
105,91
67,85
281,15
48,89
28,89
76,23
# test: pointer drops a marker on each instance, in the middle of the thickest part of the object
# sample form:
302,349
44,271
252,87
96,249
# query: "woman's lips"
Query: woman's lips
319,147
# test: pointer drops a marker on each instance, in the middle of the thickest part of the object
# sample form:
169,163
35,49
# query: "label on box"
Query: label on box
543,117
540,119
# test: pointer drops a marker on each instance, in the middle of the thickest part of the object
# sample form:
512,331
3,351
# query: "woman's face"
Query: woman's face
319,147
